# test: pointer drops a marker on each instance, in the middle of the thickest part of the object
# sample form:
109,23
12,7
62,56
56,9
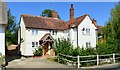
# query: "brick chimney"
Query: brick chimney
72,14
94,22
54,14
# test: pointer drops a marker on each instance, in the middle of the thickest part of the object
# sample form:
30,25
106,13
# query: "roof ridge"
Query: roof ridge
29,15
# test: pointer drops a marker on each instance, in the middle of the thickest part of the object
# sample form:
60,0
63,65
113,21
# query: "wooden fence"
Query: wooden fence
98,59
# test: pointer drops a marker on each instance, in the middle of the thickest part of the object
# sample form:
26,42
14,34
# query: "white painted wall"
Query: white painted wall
73,36
26,34
82,39
2,39
23,35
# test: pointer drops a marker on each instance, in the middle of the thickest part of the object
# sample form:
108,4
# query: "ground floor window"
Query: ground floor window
88,44
34,44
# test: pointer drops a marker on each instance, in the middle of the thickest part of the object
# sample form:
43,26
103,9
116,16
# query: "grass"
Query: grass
53,59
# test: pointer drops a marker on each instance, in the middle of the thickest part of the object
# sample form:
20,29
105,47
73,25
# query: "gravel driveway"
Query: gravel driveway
34,63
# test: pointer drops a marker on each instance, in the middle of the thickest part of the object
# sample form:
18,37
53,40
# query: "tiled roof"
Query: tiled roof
77,21
40,22
43,22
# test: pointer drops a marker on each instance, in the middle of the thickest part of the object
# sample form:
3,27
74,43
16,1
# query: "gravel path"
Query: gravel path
34,63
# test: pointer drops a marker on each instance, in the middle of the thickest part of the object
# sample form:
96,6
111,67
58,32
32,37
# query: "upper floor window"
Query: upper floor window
54,32
86,31
34,32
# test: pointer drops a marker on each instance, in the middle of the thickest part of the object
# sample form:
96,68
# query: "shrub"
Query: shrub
2,59
63,46
38,51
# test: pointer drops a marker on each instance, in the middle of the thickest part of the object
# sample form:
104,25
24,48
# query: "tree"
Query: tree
11,29
111,31
112,27
48,13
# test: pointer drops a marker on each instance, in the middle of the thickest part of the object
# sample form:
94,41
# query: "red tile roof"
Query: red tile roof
40,22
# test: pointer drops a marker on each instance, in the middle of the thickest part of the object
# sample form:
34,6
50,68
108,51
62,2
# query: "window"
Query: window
34,32
33,44
56,32
36,44
87,31
52,32
88,45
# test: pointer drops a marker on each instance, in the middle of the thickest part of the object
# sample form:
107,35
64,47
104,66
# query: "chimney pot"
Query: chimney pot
55,14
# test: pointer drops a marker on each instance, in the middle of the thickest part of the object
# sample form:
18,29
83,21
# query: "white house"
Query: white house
3,22
37,30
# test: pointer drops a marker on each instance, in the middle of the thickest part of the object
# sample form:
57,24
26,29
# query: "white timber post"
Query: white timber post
97,59
113,58
78,61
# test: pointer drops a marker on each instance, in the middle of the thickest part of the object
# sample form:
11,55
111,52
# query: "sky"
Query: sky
100,11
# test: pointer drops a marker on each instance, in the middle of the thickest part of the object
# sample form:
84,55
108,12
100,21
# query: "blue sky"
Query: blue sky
100,11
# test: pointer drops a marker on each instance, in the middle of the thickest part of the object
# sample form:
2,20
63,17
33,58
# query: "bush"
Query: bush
2,59
38,52
108,47
63,46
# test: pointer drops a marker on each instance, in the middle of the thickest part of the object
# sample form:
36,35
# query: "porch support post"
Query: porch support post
49,48
43,52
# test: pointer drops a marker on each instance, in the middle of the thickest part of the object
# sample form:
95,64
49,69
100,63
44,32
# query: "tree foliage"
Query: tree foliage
112,27
111,32
11,29
48,13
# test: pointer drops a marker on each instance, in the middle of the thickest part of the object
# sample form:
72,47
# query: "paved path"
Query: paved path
34,63
115,66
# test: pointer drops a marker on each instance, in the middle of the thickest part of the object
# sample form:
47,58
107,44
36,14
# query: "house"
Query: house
3,22
35,31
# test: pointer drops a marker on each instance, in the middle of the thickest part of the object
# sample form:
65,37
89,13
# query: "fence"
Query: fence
97,59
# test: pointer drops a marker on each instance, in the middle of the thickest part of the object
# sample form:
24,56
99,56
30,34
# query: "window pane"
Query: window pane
56,32
36,32
86,45
33,44
32,31
36,43
52,32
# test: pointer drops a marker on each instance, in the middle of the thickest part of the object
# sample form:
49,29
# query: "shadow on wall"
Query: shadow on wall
12,53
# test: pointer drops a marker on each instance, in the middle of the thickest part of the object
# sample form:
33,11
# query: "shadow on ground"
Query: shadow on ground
12,54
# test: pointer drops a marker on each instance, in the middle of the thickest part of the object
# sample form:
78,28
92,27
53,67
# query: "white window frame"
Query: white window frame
34,32
88,31
88,44
35,44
